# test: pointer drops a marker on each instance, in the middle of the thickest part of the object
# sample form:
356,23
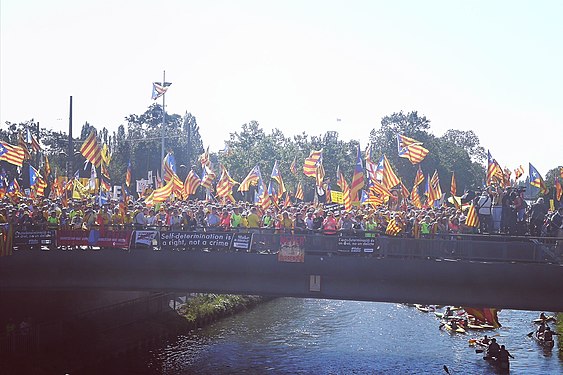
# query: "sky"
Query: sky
494,67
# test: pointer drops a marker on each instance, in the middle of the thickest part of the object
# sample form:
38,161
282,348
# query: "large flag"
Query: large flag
91,150
159,89
494,171
169,164
411,149
163,193
12,154
253,177
225,184
393,228
415,197
419,178
310,165
33,176
276,176
390,179
435,191
128,175
343,185
537,180
453,186
485,315
472,219
191,184
299,191
358,176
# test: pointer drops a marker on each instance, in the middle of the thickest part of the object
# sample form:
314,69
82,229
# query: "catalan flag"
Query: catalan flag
358,176
537,180
91,150
380,191
394,227
23,145
253,177
105,180
293,166
411,149
310,165
191,184
163,193
32,141
204,158
419,178
276,176
343,185
518,172
494,171
320,174
159,89
453,186
12,154
558,189
415,197
472,219
435,192
128,175
390,179
208,177
225,184
47,167
34,175
299,191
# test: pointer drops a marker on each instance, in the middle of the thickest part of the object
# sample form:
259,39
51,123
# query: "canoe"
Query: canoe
424,308
504,366
480,326
448,327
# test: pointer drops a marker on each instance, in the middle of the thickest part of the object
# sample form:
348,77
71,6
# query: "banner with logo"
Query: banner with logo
292,249
356,244
118,239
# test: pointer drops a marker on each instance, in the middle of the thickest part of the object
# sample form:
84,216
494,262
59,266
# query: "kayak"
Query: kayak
504,366
480,326
448,327
424,308
546,344
550,318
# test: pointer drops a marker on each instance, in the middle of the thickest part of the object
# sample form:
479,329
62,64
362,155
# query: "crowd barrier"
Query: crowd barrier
293,245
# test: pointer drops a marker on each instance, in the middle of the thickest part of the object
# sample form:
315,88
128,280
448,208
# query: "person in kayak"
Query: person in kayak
503,355
493,349
548,334
541,329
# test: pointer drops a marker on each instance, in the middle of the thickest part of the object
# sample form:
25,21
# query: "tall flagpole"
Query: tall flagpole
163,123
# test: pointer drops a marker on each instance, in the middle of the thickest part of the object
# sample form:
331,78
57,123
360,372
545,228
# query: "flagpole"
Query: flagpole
163,123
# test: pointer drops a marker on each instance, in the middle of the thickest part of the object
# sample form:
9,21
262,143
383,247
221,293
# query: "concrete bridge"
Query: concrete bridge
510,273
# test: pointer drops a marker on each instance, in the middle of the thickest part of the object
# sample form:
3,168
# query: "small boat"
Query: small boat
550,318
548,344
500,365
480,326
424,308
449,327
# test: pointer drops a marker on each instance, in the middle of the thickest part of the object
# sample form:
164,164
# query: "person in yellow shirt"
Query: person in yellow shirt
117,219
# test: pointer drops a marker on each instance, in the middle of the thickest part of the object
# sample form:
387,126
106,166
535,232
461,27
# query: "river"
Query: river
308,336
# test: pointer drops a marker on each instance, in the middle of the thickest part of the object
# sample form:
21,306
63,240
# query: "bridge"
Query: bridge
479,271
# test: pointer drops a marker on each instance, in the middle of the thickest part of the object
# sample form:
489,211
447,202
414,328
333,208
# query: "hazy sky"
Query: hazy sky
491,66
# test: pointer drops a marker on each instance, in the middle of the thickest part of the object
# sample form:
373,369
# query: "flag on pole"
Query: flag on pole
310,165
12,154
343,185
208,177
293,166
159,89
411,149
253,177
453,185
435,192
91,150
494,171
419,178
128,175
390,179
358,176
191,184
225,184
276,176
299,191
537,180
33,142
33,176
472,219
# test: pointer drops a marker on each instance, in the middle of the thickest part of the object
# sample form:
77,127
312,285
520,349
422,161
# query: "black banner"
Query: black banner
41,237
356,245
242,241
205,240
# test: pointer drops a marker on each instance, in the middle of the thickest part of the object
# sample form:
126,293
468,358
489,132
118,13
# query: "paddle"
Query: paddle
446,369
530,334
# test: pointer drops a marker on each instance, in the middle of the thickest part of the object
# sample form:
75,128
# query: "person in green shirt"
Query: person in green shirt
236,218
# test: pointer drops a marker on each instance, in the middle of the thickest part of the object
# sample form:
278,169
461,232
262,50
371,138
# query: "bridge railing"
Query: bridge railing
491,248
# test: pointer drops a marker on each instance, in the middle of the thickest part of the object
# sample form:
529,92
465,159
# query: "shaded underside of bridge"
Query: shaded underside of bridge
525,286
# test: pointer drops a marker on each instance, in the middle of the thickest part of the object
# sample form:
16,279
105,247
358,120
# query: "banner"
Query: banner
356,244
145,238
100,238
207,240
292,249
336,197
27,238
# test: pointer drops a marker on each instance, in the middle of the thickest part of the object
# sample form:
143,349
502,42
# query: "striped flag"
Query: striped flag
253,177
472,219
393,228
310,165
170,174
12,154
411,149
299,192
518,172
225,184
453,186
415,197
419,178
128,175
105,179
435,191
163,193
379,190
207,178
358,176
293,166
343,185
159,89
320,174
494,171
191,184
390,179
276,176
23,145
47,167
537,180
91,150
558,189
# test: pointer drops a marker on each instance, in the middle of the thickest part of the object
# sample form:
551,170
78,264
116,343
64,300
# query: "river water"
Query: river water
309,336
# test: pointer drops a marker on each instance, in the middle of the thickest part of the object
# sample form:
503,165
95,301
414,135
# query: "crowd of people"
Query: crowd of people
518,217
